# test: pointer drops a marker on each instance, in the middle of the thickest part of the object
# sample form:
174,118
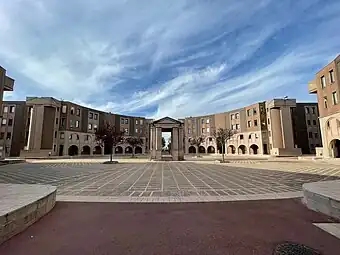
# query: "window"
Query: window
70,137
233,127
126,130
64,109
5,109
10,122
268,121
237,126
208,130
307,110
62,135
325,102
91,115
126,121
255,123
232,116
254,111
314,122
241,137
210,139
136,130
237,115
335,98
316,135
54,147
56,121
308,122
141,122
90,126
77,136
9,135
202,121
203,130
141,131
269,133
96,116
249,123
323,81
86,137
4,122
12,109
55,134
58,109
71,123
189,130
310,134
77,123
331,76
2,135
248,112
121,121
72,110
137,122
249,137
63,122
313,110
208,121
78,112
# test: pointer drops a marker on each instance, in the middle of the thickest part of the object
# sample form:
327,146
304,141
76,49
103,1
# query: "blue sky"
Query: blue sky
167,58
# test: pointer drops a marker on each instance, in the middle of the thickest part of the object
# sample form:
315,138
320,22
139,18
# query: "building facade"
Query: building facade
326,86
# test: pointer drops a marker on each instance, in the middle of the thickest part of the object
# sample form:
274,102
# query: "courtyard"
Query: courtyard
170,179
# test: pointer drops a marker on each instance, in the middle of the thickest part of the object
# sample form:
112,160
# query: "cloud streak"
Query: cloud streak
178,58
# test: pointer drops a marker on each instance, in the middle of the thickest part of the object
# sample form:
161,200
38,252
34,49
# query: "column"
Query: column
181,144
158,143
276,127
174,143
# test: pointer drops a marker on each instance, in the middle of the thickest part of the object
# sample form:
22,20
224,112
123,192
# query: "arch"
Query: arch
253,149
138,150
128,150
231,149
201,149
97,150
211,149
192,149
242,149
86,150
334,147
73,150
119,150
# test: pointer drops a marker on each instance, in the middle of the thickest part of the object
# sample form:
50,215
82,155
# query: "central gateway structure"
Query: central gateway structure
177,139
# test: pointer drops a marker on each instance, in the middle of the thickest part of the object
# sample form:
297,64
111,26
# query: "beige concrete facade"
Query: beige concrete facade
327,87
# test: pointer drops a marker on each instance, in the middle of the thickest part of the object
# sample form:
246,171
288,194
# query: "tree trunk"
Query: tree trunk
223,152
133,151
111,152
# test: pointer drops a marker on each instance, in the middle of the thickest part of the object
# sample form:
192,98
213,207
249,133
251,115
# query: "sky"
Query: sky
173,58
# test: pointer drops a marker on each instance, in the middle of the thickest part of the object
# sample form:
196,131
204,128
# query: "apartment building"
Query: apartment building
269,128
326,86
6,84
43,126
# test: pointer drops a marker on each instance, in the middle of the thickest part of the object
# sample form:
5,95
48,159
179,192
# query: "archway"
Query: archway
128,150
231,149
192,149
138,150
335,148
73,150
86,150
201,149
119,150
211,149
242,149
97,150
254,149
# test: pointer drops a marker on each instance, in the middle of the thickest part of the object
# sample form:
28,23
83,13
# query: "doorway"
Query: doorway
166,142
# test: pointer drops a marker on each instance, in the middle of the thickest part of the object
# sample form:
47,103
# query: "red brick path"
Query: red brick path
197,228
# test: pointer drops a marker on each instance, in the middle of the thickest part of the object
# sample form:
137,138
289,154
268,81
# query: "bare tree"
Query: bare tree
222,135
134,142
198,140
107,135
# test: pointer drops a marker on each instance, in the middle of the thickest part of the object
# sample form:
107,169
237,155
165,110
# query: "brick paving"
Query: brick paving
170,179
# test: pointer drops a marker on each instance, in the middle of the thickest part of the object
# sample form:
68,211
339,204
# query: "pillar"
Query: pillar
174,143
158,143
181,144
276,127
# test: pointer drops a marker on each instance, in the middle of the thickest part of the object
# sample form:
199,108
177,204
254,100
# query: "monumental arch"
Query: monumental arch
176,128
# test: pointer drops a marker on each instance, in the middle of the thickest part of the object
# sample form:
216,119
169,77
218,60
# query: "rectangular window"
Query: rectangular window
136,130
5,109
268,121
64,109
331,76
335,98
249,123
72,110
313,110
4,122
308,122
56,121
126,131
141,130
314,122
325,103
248,113
307,110
237,126
62,135
189,130
233,127
77,123
91,115
208,120
78,112
254,111
95,116
10,122
232,116
12,109
126,121
323,81
54,147
255,123
63,122
9,135
237,115
241,137
2,135
121,121
137,122
208,130
316,135
141,122
203,130
202,121
55,134
90,126
71,123
310,134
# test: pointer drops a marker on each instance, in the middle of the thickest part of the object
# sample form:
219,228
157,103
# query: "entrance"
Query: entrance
335,148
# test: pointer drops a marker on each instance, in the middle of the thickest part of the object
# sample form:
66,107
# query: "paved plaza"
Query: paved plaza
170,179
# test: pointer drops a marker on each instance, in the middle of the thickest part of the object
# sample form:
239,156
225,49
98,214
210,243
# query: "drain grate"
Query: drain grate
289,248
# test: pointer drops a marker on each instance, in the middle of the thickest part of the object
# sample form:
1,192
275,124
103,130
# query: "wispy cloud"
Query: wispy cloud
175,58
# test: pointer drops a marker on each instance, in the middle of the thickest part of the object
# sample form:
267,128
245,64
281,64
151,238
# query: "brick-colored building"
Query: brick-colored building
326,86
